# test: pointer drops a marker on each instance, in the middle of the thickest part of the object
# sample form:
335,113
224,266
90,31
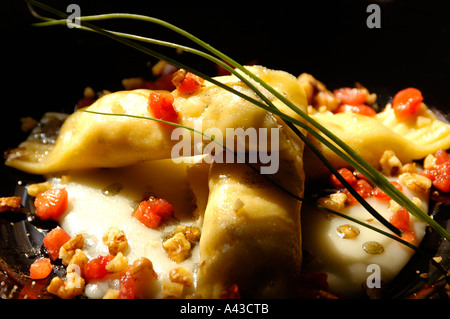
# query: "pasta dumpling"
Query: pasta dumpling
371,136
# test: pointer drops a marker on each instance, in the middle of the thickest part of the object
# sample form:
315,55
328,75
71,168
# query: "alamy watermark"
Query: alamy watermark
373,21
73,20
255,146
374,279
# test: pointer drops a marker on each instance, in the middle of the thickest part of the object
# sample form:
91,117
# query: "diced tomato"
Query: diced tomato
442,180
429,173
408,235
160,105
54,240
152,212
231,293
127,286
346,174
378,193
439,174
95,269
41,268
358,109
442,157
351,96
406,103
362,187
400,219
189,84
360,175
51,204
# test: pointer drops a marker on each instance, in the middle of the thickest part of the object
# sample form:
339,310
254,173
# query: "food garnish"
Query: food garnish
52,203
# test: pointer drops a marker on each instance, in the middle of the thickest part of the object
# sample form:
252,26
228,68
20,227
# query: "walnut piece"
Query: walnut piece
11,204
116,240
69,288
182,276
334,201
415,182
177,247
67,251
390,164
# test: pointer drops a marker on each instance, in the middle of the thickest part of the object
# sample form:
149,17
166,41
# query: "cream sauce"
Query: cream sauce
344,260
104,198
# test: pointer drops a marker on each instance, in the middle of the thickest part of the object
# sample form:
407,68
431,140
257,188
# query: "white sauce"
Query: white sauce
92,211
344,260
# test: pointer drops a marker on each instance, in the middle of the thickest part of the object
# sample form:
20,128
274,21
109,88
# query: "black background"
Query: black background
46,69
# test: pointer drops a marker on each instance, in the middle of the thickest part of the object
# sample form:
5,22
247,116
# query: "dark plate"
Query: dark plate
48,68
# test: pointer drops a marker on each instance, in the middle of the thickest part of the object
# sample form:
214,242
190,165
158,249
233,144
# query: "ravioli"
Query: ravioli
426,132
251,237
371,136
251,232
241,215
90,140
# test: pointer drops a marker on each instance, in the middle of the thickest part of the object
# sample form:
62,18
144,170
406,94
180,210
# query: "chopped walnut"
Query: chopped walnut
10,204
415,182
182,276
171,289
317,93
69,288
334,201
67,251
142,269
77,262
191,233
117,264
327,99
393,206
408,168
116,240
177,247
390,164
178,77
429,161
37,188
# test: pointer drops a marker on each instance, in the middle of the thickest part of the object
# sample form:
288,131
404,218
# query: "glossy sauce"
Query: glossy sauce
347,259
104,198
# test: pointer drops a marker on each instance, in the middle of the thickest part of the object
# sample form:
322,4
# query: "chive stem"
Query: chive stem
303,199
366,169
